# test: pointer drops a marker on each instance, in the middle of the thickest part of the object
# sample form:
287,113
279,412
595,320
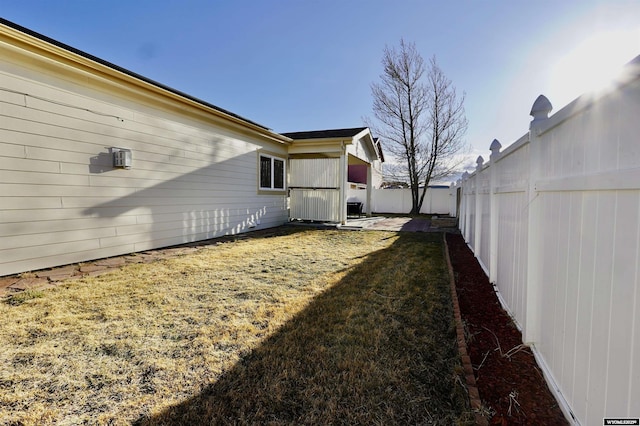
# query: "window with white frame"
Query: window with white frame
272,173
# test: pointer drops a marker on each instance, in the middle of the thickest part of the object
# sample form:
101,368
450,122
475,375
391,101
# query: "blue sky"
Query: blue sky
296,65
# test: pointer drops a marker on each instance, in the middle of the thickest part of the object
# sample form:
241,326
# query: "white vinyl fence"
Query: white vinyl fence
437,200
554,220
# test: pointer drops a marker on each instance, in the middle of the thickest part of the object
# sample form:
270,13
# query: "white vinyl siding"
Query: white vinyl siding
62,201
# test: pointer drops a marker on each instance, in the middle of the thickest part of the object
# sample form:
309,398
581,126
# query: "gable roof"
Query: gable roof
125,71
325,134
324,138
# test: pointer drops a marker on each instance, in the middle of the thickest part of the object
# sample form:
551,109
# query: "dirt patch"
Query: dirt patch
511,385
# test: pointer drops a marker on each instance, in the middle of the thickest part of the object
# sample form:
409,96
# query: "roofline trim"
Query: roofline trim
292,134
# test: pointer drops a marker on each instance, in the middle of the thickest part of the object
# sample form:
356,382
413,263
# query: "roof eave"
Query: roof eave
55,50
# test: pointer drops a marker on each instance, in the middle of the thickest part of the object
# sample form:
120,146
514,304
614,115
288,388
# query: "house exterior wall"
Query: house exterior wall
567,199
364,151
360,149
194,175
358,173
376,174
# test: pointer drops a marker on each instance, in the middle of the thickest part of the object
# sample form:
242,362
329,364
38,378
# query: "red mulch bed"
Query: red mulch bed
511,385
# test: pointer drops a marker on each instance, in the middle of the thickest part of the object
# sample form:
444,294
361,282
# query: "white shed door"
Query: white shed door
315,189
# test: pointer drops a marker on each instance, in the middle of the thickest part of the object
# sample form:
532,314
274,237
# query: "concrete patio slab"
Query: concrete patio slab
395,224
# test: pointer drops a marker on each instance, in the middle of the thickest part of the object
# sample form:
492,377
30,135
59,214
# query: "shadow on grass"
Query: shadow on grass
376,348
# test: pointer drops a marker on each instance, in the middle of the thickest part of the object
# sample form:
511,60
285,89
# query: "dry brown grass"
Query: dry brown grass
299,326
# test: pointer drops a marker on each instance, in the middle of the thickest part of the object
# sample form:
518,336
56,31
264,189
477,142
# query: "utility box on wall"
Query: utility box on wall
121,158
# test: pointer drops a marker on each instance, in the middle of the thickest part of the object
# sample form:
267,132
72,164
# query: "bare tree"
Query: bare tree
420,118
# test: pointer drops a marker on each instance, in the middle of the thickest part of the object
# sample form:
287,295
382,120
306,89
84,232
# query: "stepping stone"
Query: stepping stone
59,277
57,274
112,262
85,269
8,281
29,283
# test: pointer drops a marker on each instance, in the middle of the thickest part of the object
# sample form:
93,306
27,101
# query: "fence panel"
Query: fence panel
436,201
511,194
573,286
483,194
471,212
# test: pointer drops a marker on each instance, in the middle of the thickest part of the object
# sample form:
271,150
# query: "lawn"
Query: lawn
291,326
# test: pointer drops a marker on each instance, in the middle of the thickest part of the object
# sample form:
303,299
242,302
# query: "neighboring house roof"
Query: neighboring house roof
325,134
125,71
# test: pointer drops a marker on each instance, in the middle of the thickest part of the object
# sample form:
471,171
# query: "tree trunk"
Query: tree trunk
415,199
424,192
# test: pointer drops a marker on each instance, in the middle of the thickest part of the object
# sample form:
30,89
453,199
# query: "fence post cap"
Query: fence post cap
479,162
541,108
495,148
